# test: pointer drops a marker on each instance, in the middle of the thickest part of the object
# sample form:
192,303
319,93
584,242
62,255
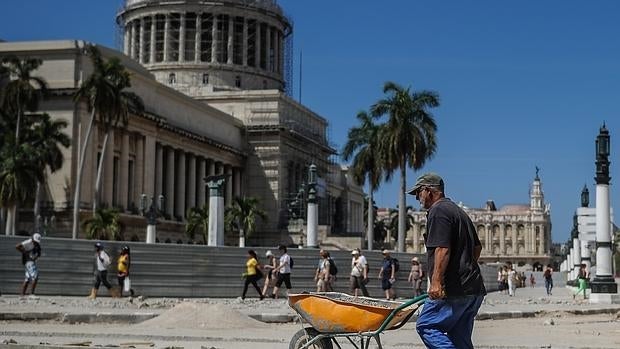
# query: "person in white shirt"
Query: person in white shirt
359,273
284,272
31,251
102,261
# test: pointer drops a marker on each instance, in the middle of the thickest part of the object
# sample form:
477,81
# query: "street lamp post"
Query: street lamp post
313,210
151,211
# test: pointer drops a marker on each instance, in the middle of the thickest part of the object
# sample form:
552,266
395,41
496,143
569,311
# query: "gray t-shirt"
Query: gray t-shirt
449,226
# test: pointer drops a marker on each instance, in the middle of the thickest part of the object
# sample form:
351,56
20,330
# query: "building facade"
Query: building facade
520,234
213,79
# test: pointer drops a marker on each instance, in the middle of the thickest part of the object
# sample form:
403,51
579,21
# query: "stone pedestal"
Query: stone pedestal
151,233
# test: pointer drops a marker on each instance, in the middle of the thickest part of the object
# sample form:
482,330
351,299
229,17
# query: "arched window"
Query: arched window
172,79
205,79
238,81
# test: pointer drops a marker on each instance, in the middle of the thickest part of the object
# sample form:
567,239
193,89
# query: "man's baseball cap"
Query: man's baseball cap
36,237
98,245
354,252
427,180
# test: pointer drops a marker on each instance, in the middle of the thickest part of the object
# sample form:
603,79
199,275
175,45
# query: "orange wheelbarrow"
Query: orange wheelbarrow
333,315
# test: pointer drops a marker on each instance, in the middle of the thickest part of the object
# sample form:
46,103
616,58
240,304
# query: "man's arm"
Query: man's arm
442,257
477,251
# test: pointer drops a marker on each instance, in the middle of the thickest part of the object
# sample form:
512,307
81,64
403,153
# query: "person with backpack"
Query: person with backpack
31,251
323,275
548,276
283,270
387,274
102,262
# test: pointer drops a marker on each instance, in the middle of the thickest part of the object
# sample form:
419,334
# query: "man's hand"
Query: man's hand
436,291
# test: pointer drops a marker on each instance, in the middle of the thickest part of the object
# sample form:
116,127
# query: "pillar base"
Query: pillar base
151,233
604,298
604,284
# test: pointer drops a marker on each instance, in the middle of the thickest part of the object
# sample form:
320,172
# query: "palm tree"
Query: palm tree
363,141
47,137
242,215
104,225
103,91
408,138
394,216
19,173
198,220
24,91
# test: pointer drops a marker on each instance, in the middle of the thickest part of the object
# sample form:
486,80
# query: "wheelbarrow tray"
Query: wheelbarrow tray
334,312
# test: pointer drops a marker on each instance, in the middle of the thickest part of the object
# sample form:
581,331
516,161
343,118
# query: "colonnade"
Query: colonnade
145,165
202,37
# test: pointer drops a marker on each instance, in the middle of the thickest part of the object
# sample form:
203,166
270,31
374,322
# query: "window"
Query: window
205,79
238,81
172,79
264,84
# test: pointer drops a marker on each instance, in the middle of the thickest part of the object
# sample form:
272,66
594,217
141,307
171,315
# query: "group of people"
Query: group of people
30,250
280,272
508,279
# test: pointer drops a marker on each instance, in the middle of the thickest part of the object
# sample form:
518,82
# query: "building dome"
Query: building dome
199,47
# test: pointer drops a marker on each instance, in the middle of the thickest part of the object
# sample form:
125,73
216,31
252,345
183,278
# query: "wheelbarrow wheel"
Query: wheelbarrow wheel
304,336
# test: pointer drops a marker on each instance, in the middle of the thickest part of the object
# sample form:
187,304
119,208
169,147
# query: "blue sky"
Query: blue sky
522,84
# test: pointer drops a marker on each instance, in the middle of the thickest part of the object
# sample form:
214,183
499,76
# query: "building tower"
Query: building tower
198,47
604,288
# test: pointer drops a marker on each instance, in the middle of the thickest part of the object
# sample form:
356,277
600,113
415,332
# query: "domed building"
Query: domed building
215,79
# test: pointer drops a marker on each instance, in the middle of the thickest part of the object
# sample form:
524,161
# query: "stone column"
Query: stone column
276,50
268,47
202,174
214,40
585,254
489,239
515,244
139,174
166,37
180,187
416,238
541,241
127,40
153,28
230,46
108,171
502,239
257,45
159,170
212,167
229,185
124,172
244,47
169,195
576,261
237,182
191,187
216,211
132,48
141,43
198,39
182,39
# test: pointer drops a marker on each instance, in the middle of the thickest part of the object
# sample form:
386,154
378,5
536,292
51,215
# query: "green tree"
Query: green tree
19,173
408,137
197,221
394,219
47,138
104,225
363,146
242,215
24,91
103,92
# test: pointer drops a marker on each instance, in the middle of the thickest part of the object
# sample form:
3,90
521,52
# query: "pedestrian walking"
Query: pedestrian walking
532,281
283,271
582,278
269,267
548,276
30,250
322,277
415,276
387,275
102,262
456,288
513,280
252,275
122,267
359,273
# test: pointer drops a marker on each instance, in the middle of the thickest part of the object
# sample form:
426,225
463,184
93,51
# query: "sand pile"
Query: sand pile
191,315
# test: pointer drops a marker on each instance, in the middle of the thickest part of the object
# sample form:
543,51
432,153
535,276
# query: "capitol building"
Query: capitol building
215,78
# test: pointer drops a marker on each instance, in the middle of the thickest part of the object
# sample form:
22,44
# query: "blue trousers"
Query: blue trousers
448,323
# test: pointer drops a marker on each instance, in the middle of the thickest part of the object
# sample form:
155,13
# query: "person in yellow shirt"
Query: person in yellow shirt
253,274
124,262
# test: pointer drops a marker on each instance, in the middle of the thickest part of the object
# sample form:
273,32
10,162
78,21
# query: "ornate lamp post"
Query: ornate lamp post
604,288
151,210
313,210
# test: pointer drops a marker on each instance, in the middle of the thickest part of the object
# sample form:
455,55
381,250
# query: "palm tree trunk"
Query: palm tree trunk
370,226
19,117
36,211
402,208
2,218
10,220
241,238
99,174
78,181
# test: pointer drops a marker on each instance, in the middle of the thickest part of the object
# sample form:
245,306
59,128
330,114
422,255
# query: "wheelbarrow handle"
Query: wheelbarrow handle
416,300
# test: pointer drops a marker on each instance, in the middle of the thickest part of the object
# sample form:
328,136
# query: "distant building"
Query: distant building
520,234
